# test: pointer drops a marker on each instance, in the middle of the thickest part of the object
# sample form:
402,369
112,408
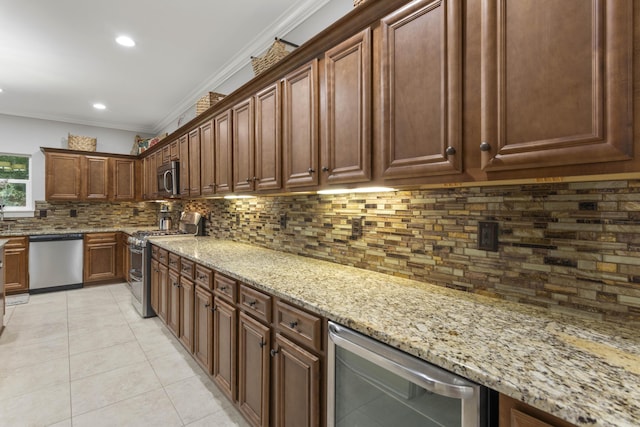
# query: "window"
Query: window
15,182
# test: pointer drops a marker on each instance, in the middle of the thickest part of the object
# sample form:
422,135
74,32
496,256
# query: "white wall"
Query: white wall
22,135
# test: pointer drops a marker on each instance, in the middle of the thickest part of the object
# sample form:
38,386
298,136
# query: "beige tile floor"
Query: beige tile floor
86,358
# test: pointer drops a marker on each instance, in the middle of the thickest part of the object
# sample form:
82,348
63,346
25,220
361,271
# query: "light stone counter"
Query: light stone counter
586,372
37,232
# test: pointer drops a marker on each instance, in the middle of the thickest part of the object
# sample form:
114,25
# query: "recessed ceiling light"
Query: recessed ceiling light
99,106
125,41
0,89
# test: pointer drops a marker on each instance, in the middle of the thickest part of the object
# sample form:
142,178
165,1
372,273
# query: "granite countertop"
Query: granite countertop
581,370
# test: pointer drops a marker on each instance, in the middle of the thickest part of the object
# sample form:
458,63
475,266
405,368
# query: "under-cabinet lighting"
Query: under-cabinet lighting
239,196
357,190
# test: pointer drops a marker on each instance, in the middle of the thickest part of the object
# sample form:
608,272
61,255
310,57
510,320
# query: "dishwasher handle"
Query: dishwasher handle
55,237
430,377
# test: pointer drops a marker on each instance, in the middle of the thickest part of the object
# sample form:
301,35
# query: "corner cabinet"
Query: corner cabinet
421,86
560,93
300,135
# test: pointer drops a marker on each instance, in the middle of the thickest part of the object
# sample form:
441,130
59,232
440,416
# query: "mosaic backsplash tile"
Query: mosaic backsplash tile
571,247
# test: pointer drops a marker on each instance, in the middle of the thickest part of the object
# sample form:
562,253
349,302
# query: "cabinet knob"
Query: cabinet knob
293,324
252,303
485,146
255,178
249,179
223,288
450,151
262,343
207,305
311,171
273,352
325,169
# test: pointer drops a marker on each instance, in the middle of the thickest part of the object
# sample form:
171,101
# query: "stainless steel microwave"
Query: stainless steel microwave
168,179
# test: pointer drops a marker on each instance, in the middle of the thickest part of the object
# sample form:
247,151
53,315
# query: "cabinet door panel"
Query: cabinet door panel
224,348
422,90
194,162
207,171
100,262
124,179
62,176
96,178
163,292
16,265
556,83
155,286
203,334
301,126
173,303
224,152
347,154
297,378
243,146
186,313
268,156
253,369
185,164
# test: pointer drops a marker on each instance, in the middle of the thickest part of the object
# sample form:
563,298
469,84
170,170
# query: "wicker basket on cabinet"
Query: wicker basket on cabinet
82,143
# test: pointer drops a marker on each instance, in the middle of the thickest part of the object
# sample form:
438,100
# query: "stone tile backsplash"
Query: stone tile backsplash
60,216
571,247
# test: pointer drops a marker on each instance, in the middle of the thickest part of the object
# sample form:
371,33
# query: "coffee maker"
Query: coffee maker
164,218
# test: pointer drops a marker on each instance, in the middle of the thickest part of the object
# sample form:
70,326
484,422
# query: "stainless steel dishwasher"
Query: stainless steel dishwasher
373,384
55,262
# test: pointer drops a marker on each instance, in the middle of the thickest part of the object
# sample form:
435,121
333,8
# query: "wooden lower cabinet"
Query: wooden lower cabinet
224,347
173,302
514,413
155,286
203,328
100,257
163,292
297,385
2,298
16,265
254,343
186,313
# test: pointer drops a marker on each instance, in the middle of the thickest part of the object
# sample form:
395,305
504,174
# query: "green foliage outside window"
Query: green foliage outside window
14,176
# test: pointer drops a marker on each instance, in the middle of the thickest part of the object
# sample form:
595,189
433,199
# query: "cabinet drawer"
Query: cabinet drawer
225,287
256,303
95,238
204,277
174,261
187,268
298,325
163,256
17,243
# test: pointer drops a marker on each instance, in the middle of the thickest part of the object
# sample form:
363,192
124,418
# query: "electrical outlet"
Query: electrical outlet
488,236
136,211
73,213
237,219
356,227
283,221
43,213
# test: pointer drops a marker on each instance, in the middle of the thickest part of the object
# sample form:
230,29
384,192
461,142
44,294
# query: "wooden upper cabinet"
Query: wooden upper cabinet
96,178
185,164
556,83
207,159
224,152
346,153
421,80
194,162
62,176
300,134
124,179
268,139
243,146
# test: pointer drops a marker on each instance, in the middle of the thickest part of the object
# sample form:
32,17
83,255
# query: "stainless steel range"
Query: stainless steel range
190,224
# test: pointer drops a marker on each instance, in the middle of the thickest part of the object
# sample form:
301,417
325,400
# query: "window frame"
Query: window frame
28,208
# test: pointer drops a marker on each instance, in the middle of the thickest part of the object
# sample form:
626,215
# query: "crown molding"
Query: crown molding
287,22
74,120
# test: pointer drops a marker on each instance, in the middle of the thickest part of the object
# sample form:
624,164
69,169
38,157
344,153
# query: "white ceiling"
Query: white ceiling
58,57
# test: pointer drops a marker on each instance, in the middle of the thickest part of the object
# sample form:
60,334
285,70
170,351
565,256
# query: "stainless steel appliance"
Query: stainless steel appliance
370,383
55,262
168,179
191,224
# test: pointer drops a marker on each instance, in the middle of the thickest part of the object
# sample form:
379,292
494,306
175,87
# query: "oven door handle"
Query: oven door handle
136,250
133,275
422,373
